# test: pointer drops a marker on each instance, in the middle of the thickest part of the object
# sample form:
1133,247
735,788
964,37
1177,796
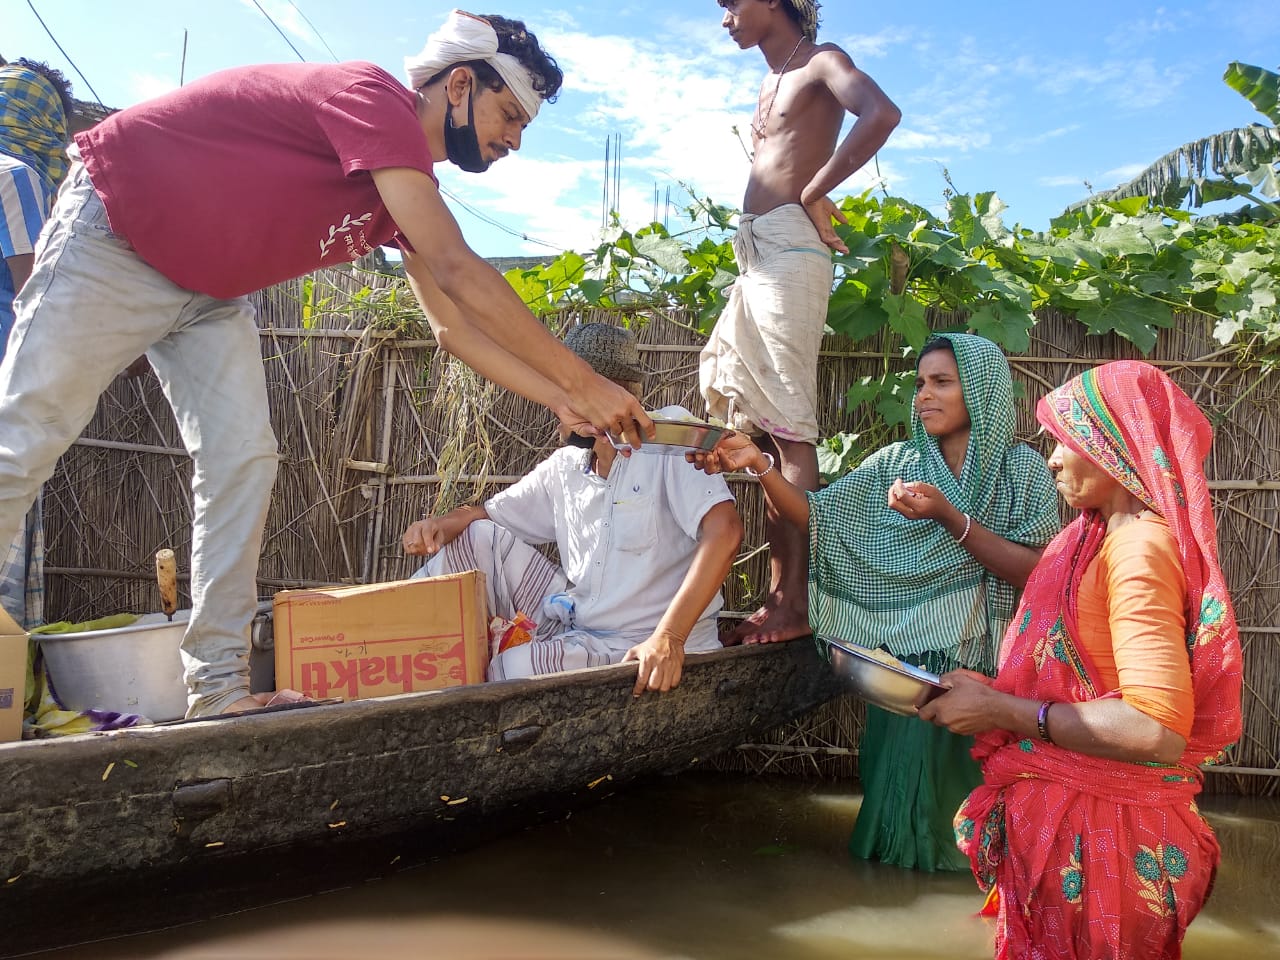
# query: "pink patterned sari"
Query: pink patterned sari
1091,857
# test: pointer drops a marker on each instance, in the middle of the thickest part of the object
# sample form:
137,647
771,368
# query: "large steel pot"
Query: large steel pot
133,669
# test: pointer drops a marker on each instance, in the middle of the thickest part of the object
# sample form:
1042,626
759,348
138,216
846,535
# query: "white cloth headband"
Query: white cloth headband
467,37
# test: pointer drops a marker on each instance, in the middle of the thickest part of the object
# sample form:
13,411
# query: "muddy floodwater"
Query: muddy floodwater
704,867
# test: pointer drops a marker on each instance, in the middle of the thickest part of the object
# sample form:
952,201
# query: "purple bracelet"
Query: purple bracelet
1042,721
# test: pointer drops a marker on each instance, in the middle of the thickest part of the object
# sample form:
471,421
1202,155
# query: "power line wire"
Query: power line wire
318,34
494,223
283,35
64,53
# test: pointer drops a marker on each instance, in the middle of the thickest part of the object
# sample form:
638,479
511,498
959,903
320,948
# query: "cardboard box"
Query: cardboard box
13,677
381,639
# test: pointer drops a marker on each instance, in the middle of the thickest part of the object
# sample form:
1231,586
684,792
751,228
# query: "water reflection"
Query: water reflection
691,868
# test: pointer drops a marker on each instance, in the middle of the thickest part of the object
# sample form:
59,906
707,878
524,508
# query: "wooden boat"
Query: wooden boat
444,766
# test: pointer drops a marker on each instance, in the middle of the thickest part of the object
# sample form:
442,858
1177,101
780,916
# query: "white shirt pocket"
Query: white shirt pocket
635,523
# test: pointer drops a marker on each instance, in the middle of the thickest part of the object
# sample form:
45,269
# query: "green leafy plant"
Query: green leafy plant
650,267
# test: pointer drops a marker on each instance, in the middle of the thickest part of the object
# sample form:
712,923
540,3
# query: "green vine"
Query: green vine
1123,266
651,266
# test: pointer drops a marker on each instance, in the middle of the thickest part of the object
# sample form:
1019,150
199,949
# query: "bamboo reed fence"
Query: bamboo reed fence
376,427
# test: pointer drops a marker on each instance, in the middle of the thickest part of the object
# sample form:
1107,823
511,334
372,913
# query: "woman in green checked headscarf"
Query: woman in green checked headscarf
919,551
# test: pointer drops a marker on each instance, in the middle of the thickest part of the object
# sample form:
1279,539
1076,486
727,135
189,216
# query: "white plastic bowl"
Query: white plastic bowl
133,669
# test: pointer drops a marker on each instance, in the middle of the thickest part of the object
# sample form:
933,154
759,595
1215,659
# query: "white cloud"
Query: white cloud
675,104
1127,84
1035,140
1067,180
1119,175
961,109
1150,29
1101,181
908,139
538,197
144,86
675,99
873,46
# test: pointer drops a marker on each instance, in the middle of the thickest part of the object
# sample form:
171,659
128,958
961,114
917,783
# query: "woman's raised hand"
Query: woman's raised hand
734,452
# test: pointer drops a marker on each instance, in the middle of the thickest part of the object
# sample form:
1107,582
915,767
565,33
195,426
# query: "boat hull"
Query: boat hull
438,764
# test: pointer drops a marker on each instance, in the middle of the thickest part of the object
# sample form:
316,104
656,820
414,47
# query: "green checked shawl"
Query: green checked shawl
878,579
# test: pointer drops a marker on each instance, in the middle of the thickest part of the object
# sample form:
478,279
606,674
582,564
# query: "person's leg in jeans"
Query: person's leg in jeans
210,368
89,308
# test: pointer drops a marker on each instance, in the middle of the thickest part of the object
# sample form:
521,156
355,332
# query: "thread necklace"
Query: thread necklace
759,130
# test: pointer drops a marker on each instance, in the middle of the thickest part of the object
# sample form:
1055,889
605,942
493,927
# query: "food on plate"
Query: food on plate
661,417
882,656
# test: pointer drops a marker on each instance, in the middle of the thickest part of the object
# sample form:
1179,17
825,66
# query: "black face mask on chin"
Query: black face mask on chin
461,144
584,443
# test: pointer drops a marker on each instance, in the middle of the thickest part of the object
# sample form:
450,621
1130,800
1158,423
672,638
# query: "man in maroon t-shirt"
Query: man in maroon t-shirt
179,207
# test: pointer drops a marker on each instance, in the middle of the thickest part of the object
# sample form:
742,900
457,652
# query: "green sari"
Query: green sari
877,579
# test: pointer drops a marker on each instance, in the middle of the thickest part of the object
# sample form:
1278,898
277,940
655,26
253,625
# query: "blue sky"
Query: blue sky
1031,100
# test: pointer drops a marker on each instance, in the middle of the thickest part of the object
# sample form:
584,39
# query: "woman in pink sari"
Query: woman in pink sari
1118,678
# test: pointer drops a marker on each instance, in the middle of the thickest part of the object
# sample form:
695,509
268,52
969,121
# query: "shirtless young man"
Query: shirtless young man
760,364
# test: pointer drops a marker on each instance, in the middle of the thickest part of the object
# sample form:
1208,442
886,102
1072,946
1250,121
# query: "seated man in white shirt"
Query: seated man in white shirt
645,541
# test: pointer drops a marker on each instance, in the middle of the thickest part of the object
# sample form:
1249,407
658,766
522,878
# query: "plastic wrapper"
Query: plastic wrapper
505,634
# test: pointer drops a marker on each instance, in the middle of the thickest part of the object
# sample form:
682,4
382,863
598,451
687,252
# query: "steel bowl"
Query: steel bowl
133,669
675,438
899,688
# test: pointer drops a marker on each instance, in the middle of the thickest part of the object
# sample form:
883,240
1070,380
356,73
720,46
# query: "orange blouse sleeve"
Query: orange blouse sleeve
1146,611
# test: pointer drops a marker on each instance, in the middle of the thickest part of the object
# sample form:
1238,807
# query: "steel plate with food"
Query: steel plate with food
881,678
677,437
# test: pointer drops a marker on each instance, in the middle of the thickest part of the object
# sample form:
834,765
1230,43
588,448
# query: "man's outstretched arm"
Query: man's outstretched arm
483,300
472,346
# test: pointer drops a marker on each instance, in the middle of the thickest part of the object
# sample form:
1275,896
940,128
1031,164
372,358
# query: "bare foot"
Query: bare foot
782,624
773,623
256,701
746,626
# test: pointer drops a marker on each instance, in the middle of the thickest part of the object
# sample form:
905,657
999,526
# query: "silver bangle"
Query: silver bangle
766,471
968,522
